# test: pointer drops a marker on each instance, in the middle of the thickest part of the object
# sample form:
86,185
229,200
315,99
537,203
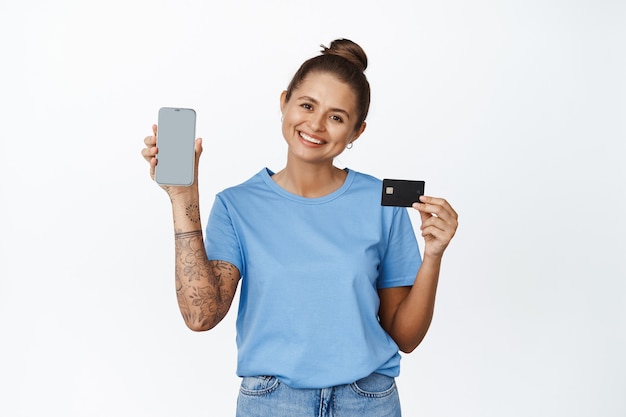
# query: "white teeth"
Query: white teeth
310,139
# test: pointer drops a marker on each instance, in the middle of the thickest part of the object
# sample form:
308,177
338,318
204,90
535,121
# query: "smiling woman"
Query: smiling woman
333,285
318,124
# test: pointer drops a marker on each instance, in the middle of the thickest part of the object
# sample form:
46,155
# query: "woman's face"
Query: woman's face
319,118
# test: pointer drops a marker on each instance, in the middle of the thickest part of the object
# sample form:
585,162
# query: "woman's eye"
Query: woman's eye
336,118
307,106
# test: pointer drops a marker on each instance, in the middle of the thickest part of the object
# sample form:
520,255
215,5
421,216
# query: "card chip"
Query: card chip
389,190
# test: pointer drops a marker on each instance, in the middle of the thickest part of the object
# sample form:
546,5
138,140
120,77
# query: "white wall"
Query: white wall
515,111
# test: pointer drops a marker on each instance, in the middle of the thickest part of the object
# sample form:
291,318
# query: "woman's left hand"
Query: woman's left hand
439,223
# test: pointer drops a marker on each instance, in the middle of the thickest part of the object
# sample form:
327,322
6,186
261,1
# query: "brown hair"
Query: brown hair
345,60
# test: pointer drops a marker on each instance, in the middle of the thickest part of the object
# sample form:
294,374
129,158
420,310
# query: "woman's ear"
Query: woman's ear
358,132
283,100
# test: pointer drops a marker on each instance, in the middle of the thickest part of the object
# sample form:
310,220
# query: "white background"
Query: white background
515,111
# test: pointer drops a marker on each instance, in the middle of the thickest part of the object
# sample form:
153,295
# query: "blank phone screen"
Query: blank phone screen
175,142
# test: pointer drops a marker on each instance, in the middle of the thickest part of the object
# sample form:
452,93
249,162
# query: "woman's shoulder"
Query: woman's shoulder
363,180
257,186
251,182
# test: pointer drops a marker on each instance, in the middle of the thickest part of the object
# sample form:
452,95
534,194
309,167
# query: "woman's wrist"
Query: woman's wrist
186,212
186,235
432,261
182,193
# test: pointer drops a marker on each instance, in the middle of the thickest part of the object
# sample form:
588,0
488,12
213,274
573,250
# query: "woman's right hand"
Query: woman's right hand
149,153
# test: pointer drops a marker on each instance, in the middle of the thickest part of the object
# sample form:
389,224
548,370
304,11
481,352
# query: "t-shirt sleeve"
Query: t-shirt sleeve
221,240
402,257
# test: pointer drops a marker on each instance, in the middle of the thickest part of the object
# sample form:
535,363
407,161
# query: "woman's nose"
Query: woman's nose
317,122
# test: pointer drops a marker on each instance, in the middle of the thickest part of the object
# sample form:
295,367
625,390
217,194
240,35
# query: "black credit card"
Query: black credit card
401,193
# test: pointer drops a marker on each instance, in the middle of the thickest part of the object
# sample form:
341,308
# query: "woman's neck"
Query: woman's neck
310,181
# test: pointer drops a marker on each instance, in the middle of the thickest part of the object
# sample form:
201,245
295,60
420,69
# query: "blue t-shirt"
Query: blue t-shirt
310,268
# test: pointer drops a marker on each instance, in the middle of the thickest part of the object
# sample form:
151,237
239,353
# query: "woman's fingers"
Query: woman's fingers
150,151
439,223
437,206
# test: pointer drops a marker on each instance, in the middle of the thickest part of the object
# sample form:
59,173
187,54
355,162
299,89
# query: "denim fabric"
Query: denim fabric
372,396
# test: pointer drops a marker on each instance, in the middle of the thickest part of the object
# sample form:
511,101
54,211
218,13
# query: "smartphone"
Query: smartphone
176,135
401,193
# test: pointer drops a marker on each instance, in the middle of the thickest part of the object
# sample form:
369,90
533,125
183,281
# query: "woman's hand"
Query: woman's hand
150,152
439,224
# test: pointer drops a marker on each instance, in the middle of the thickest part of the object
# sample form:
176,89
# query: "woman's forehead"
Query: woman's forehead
326,88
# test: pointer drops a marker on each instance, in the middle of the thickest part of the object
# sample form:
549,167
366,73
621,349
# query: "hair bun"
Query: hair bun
349,50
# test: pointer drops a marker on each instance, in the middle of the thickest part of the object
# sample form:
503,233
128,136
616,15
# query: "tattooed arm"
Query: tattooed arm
205,289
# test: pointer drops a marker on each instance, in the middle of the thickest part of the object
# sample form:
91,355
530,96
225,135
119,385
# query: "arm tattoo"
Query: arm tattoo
185,235
204,288
193,212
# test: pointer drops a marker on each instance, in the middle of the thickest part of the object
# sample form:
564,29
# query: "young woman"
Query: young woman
333,285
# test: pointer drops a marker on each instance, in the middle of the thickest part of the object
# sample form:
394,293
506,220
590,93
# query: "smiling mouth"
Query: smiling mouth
310,139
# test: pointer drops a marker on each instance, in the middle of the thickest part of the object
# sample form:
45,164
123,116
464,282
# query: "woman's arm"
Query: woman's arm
204,289
406,312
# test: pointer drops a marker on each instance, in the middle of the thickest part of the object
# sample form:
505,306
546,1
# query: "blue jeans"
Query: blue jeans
372,396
